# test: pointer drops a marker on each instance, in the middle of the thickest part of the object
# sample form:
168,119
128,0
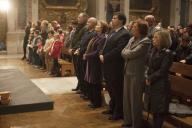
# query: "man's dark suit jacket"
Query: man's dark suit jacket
113,69
113,62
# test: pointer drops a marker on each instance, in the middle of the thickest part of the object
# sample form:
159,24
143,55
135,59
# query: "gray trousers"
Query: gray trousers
132,101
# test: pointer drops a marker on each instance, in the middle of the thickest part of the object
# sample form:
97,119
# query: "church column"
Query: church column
175,12
11,28
16,21
126,9
35,10
11,17
101,9
29,10
32,10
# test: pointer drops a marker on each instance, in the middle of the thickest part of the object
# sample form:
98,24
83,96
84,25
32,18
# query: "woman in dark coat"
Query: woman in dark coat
93,69
157,95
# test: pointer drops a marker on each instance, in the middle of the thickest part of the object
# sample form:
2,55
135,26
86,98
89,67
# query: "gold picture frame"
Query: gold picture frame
60,7
151,9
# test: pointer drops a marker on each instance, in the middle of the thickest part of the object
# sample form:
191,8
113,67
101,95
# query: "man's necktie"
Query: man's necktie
107,39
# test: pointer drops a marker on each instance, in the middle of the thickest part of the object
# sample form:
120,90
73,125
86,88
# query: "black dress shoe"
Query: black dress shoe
94,106
23,58
115,117
74,89
106,112
78,92
85,98
81,96
126,125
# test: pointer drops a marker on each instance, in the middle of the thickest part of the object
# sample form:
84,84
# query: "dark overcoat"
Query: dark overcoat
158,93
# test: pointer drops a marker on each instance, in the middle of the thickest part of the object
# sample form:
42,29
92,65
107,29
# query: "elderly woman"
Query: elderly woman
93,69
157,81
134,54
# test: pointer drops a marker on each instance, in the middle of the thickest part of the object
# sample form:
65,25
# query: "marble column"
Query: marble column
29,10
175,12
11,17
11,28
126,9
35,10
15,35
101,9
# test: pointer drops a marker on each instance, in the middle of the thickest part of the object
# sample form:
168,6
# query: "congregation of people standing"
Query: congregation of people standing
133,61
119,57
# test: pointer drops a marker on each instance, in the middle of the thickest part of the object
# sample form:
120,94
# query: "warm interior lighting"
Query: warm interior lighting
4,5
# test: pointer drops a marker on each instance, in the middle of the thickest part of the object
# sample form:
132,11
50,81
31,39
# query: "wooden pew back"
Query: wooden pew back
181,82
181,87
65,65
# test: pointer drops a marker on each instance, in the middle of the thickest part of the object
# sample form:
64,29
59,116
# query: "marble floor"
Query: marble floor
69,110
59,85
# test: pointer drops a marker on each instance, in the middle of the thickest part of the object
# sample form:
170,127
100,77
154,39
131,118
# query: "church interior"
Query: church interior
49,80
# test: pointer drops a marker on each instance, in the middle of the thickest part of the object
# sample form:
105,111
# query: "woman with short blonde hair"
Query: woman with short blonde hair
157,88
165,38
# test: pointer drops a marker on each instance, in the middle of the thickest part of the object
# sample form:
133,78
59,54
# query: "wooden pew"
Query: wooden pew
66,66
181,84
65,50
181,87
65,54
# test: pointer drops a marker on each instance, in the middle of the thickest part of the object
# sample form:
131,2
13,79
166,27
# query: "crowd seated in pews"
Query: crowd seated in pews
96,52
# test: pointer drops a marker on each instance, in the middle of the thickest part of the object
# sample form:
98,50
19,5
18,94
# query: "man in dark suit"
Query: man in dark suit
86,37
113,65
78,34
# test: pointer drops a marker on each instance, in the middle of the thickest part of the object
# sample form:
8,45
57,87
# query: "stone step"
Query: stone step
3,52
25,96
